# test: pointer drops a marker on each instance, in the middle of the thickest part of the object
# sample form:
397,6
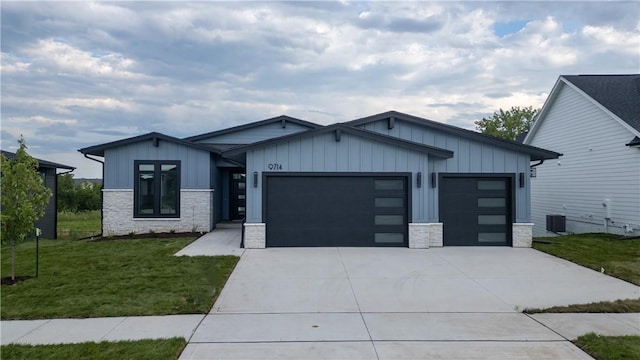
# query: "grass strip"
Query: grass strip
610,347
165,349
618,306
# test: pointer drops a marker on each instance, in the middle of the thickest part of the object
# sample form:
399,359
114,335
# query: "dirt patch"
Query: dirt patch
8,281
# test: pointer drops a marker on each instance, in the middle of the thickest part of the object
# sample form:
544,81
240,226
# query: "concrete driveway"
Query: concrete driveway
396,303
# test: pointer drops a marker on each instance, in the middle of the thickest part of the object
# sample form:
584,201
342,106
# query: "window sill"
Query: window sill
157,218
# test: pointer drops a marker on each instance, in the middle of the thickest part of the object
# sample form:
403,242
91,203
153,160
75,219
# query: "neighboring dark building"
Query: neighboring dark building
48,169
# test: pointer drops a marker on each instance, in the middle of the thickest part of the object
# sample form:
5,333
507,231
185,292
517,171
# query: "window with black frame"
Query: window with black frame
157,188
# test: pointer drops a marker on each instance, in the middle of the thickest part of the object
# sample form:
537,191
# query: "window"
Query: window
156,189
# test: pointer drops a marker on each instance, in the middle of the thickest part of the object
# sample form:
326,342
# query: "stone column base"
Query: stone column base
255,235
522,234
424,235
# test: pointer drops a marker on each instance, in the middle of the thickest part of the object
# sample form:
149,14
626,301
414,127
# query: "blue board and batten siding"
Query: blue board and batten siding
252,135
119,172
470,157
322,153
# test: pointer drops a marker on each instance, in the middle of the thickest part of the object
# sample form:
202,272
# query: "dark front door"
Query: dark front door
476,211
238,193
336,211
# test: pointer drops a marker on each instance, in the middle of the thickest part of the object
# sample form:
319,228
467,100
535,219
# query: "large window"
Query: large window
156,189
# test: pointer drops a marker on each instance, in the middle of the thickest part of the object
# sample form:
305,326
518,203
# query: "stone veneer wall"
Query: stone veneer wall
195,213
255,236
522,234
425,235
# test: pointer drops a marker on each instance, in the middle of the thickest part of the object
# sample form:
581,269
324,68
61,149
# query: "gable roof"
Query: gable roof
342,128
98,150
620,94
41,163
534,152
278,119
616,95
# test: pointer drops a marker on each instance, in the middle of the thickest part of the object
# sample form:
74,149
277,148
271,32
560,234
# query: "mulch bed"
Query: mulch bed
165,235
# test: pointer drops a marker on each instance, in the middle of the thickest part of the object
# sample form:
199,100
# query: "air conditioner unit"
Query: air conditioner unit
556,223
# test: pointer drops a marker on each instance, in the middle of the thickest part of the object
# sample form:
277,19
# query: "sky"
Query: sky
77,74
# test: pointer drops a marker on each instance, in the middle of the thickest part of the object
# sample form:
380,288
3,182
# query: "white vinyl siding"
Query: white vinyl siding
596,165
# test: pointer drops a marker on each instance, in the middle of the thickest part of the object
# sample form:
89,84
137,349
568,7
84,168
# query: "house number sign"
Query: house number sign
274,166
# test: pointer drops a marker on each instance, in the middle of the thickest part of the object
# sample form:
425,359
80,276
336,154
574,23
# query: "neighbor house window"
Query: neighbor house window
156,189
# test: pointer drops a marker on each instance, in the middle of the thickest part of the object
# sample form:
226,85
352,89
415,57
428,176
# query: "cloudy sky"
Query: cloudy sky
76,74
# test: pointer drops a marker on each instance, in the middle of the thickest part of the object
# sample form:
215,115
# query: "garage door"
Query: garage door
476,211
335,210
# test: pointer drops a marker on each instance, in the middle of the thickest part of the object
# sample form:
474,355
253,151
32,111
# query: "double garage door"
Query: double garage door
372,210
340,210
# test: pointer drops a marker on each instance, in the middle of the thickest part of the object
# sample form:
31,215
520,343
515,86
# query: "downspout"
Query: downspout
101,194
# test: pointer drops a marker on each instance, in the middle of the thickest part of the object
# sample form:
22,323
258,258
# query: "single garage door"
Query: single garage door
335,210
476,211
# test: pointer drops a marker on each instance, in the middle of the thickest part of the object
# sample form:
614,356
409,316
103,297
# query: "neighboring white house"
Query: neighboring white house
594,121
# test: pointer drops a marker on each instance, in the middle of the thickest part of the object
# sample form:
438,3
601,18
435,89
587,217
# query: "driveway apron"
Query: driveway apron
372,303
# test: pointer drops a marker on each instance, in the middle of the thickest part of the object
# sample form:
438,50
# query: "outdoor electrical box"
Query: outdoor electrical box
556,223
606,204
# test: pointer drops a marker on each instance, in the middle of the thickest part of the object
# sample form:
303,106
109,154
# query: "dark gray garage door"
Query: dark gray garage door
335,210
476,211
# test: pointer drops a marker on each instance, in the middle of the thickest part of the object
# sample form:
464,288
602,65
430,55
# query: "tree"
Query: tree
77,197
24,198
508,124
66,193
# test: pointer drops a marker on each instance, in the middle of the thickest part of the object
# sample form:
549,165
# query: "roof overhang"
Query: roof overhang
535,153
154,137
340,129
282,119
41,163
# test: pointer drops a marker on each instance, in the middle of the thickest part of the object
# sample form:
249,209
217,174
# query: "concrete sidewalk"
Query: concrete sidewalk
223,240
329,327
68,331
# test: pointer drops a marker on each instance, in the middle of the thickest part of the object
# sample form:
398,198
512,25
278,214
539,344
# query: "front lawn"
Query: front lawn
129,277
618,258
165,349
78,225
610,347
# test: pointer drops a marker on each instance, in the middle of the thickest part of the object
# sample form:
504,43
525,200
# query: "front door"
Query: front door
238,195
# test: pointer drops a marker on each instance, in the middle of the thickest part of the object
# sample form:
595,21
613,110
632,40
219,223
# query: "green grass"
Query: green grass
139,350
111,278
618,306
618,258
78,225
610,347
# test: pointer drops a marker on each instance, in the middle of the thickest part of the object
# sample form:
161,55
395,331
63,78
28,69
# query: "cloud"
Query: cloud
76,74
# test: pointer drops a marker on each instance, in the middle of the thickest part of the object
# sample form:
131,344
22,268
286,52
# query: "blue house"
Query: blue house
390,179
